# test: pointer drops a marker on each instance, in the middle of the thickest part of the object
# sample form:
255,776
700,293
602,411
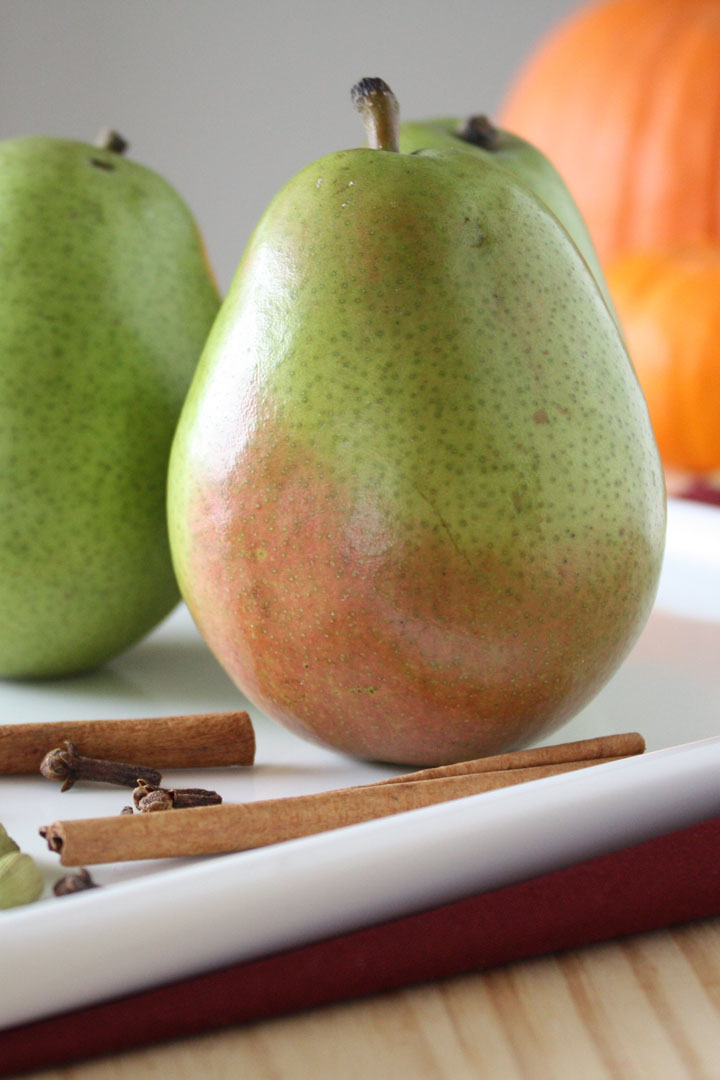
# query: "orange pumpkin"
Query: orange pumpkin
669,306
624,98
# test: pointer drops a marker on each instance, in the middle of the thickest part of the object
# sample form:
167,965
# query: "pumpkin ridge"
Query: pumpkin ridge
638,122
667,304
678,97
613,96
700,382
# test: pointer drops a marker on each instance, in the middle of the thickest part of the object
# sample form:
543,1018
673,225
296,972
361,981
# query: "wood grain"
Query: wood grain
647,1008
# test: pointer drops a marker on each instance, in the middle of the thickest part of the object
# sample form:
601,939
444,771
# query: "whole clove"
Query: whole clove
66,764
149,798
72,883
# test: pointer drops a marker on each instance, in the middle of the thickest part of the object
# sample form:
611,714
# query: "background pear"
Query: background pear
478,135
415,502
105,302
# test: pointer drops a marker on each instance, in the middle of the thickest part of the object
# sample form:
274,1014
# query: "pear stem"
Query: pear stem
378,108
479,131
109,139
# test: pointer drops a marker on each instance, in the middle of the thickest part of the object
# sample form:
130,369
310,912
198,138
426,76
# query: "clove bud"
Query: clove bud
66,764
148,798
72,883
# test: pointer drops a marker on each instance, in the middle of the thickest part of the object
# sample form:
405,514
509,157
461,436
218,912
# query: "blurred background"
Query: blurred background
228,99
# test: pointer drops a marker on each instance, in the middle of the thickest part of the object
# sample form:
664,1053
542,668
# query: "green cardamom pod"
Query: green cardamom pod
7,844
20,880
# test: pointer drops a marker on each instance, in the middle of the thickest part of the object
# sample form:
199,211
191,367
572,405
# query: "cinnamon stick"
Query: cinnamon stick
162,742
602,747
241,826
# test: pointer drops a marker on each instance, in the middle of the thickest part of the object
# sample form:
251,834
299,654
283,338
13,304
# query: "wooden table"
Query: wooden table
647,1008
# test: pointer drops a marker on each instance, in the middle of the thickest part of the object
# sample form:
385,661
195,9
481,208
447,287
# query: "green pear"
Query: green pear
105,304
416,507
479,136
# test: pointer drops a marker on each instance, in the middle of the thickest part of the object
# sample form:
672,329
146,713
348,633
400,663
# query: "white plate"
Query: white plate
163,920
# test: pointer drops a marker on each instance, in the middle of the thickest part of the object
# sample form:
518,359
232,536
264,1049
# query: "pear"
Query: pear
479,136
105,304
416,507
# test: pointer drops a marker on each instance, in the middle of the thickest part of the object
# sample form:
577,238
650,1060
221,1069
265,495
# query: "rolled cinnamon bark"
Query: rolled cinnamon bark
238,827
162,742
602,747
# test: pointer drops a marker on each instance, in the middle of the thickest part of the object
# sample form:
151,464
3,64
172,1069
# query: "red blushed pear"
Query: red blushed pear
416,507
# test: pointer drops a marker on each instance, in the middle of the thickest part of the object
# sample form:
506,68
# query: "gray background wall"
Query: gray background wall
228,99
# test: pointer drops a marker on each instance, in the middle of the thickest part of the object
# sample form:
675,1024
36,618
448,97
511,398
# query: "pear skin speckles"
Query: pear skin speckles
441,449
105,304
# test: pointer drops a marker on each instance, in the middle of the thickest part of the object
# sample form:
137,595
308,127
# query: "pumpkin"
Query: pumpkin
669,306
624,98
